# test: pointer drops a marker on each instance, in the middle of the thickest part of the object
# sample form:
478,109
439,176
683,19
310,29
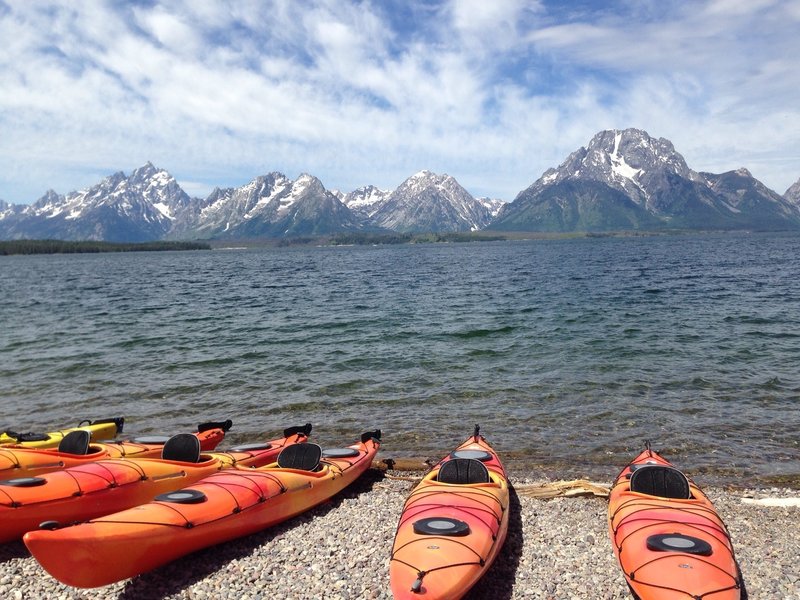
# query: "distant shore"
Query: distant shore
390,239
339,239
90,247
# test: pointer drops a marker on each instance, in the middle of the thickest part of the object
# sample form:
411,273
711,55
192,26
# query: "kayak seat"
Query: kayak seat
184,447
304,457
661,481
75,442
463,471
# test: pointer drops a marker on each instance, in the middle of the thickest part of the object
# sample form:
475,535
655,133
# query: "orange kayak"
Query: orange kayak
226,505
453,525
670,542
99,429
107,486
76,448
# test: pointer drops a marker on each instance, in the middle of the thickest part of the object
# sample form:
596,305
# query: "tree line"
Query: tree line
65,247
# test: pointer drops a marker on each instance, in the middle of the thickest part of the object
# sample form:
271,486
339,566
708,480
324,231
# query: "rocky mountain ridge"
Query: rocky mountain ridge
792,194
623,180
627,180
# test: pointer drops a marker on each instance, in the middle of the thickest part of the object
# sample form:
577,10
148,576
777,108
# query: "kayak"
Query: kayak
100,429
227,505
210,435
453,525
670,542
76,448
110,485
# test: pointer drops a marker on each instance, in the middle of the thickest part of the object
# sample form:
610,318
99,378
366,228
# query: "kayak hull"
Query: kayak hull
236,502
450,565
87,491
636,523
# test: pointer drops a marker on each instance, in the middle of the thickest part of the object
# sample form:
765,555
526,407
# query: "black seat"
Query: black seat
304,457
661,481
463,470
75,442
184,447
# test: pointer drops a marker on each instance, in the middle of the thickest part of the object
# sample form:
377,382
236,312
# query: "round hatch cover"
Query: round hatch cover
441,526
24,482
676,542
186,496
339,452
473,454
253,446
151,439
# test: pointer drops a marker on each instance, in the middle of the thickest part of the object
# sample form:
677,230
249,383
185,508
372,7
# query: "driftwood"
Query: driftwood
776,502
561,489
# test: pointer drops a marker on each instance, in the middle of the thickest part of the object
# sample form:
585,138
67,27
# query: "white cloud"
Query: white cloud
493,93
170,30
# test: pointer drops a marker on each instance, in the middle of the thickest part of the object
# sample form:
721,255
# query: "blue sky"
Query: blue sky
356,93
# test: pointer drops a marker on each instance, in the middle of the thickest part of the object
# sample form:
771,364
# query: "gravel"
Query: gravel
556,549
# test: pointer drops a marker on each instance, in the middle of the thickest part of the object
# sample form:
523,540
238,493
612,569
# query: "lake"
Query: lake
569,353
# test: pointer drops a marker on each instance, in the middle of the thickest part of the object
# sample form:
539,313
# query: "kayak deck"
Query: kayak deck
669,540
451,531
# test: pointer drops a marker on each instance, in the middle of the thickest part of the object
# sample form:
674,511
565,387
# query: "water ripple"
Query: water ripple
570,353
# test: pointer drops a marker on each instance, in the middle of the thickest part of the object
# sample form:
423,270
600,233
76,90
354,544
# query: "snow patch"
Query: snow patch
550,178
164,210
618,165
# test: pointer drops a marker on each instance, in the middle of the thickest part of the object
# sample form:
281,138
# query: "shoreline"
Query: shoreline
559,472
556,548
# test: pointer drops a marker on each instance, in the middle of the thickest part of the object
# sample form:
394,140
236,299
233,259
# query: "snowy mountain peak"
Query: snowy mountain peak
144,172
429,202
628,160
365,200
626,179
306,183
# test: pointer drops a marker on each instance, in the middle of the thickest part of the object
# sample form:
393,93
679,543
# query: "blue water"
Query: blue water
569,353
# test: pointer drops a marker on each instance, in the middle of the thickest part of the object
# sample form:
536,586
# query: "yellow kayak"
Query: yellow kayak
100,429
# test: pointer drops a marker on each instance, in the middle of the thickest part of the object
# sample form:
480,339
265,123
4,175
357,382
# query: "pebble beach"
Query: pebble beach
556,549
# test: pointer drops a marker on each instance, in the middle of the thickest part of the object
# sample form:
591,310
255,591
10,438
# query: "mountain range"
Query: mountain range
623,180
627,180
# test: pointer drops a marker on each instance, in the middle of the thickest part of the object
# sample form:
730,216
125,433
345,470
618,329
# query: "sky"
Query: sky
492,92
